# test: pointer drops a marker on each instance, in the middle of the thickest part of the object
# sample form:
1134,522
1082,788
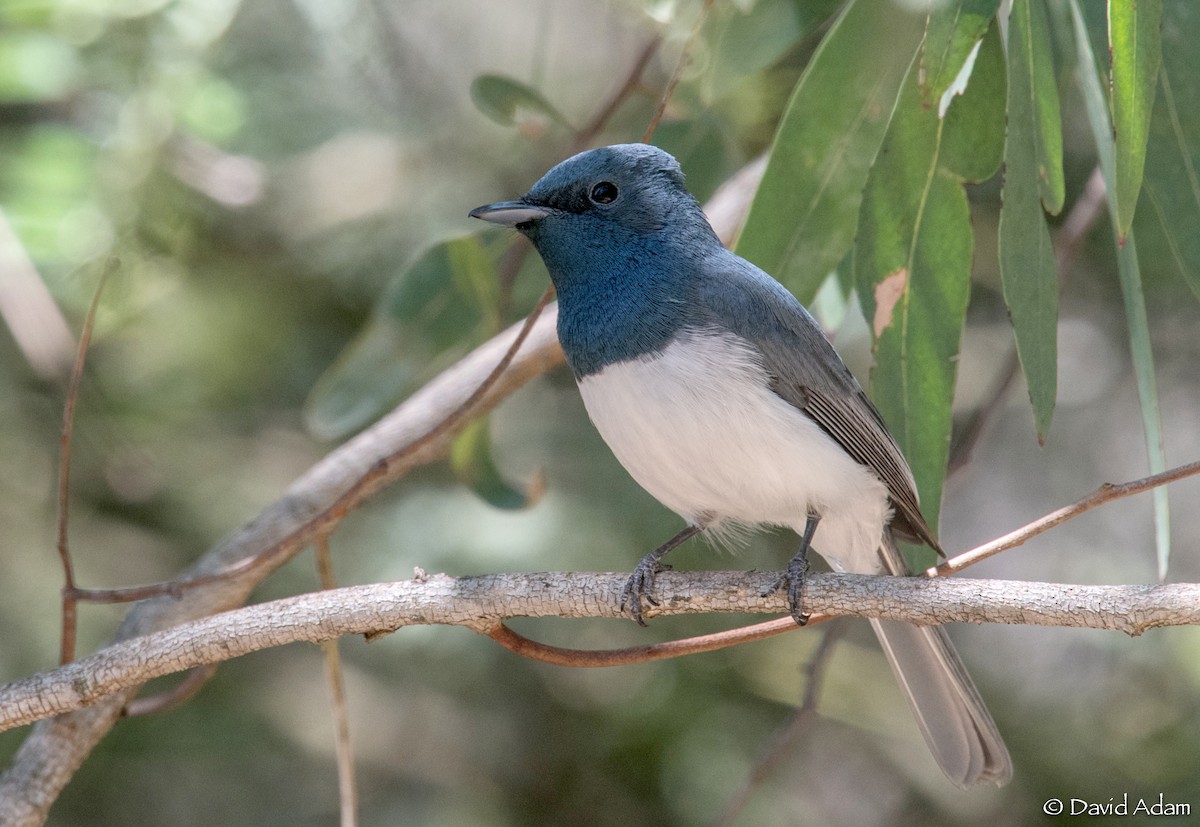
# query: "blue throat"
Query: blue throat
616,301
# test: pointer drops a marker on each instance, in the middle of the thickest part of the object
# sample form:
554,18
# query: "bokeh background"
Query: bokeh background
267,173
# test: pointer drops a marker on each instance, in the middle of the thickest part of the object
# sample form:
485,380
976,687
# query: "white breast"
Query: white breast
698,427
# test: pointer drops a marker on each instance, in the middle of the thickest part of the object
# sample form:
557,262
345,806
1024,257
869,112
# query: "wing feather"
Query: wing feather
807,372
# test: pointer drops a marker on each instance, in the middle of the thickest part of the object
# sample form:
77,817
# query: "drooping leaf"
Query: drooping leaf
1031,79
473,466
952,36
913,262
1131,286
506,100
1032,177
803,217
1168,223
437,309
1135,47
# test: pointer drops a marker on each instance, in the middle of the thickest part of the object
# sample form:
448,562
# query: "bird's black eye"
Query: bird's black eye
604,193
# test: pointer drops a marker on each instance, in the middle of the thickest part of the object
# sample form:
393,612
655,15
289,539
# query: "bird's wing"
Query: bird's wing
806,372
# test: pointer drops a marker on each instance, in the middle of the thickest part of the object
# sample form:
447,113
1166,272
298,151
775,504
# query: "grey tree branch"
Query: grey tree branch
479,603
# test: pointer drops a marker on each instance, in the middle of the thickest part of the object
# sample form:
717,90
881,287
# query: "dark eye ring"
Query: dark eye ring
604,193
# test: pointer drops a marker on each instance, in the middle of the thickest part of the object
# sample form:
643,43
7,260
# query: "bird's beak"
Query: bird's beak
510,213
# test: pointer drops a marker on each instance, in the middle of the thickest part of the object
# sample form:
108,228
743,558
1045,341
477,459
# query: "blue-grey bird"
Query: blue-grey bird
720,395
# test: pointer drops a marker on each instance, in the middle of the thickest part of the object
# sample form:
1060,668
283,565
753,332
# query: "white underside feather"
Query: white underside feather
698,427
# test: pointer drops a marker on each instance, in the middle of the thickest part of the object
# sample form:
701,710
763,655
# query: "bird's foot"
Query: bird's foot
794,575
641,583
640,586
793,579
796,571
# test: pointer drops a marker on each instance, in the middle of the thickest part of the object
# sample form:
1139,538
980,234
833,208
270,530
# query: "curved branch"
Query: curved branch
479,602
1104,494
559,656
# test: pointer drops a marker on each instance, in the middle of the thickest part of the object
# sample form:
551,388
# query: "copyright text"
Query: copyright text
1116,806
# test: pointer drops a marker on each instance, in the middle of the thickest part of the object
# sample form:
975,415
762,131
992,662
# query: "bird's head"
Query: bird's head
607,196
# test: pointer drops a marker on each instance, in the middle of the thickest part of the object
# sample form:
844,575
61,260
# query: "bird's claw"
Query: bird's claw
793,578
640,586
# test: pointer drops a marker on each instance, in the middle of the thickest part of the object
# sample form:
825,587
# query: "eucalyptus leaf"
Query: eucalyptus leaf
803,217
953,34
1032,177
1135,46
507,101
1168,222
1033,97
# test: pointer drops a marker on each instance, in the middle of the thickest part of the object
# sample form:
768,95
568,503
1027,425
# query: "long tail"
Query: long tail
952,716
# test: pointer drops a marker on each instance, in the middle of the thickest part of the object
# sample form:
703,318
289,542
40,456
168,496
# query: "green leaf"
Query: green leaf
435,311
1032,176
1032,83
973,146
952,36
913,265
508,101
1135,46
803,217
1168,225
473,466
1131,287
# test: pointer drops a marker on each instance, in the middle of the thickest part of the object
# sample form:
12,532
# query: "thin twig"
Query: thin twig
1104,494
559,656
368,482
69,602
347,784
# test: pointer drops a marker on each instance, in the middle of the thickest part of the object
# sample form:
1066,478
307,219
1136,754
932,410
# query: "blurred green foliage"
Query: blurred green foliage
285,186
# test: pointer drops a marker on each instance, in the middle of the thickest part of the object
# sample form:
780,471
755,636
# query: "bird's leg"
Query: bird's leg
797,568
641,582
